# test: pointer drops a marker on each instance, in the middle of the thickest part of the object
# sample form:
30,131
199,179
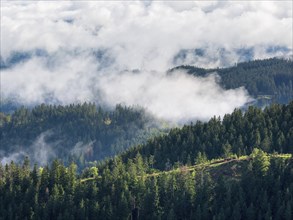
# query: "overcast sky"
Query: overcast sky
76,51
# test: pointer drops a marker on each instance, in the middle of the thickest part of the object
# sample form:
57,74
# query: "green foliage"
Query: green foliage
136,183
200,158
267,80
59,193
237,133
227,150
79,133
260,162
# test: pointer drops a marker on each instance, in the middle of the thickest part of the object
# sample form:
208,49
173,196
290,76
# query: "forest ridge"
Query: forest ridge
175,176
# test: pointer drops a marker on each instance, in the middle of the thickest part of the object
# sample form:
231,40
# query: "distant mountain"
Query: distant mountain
268,81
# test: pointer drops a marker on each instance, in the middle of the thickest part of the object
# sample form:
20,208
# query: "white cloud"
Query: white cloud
137,35
144,36
33,82
174,97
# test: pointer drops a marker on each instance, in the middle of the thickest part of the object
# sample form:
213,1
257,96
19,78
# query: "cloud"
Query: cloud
173,97
145,36
66,80
39,152
86,51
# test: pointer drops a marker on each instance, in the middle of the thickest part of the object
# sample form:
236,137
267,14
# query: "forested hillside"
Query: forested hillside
239,167
255,187
235,167
79,133
146,110
238,133
269,80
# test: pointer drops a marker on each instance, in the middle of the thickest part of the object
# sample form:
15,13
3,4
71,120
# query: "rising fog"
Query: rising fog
40,151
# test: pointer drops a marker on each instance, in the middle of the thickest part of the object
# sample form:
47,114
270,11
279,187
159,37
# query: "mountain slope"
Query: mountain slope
191,173
80,133
245,188
268,80
237,133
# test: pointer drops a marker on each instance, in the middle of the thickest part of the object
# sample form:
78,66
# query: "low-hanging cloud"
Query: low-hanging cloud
86,51
175,96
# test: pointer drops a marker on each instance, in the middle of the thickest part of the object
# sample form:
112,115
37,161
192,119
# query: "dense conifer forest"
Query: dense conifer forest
237,133
238,167
268,81
89,162
80,133
146,110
